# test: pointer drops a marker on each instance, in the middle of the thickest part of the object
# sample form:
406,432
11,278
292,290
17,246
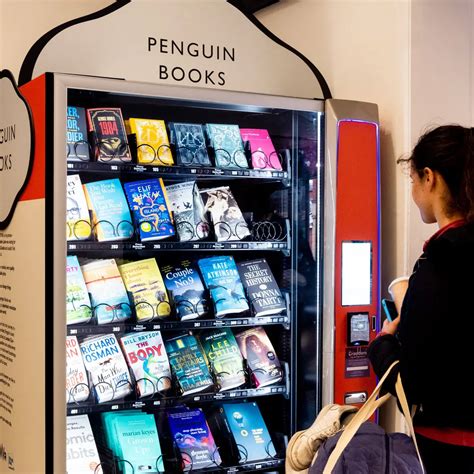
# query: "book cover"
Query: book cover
223,355
146,356
77,145
144,281
188,364
108,294
110,214
262,360
263,152
108,371
78,221
82,456
263,292
227,218
153,146
190,144
186,290
77,385
149,203
222,280
249,431
227,143
108,127
188,209
193,438
78,304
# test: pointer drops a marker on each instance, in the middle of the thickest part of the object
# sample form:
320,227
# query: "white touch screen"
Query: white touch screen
356,273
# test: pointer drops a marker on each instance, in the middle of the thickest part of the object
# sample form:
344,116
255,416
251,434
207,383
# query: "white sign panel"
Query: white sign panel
205,43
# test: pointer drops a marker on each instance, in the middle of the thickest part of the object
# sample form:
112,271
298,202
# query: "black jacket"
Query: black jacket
436,333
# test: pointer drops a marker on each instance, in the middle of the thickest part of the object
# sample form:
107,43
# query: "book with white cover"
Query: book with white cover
77,212
82,456
77,387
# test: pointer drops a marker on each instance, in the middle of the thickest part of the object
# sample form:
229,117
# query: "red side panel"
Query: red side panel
357,219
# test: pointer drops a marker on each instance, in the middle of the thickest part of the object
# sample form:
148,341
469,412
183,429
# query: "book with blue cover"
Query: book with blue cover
193,438
188,364
77,145
186,289
223,281
111,217
227,143
190,144
149,203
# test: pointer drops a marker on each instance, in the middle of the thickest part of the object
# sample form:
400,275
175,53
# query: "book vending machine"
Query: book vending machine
210,273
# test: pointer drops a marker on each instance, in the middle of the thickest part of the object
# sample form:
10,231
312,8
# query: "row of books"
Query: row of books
104,209
214,286
231,434
211,360
230,145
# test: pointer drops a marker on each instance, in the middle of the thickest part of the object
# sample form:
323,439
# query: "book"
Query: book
77,385
108,371
223,355
146,356
78,220
222,280
245,424
110,214
186,290
227,218
153,146
193,438
262,360
227,143
82,456
149,203
261,147
77,145
188,364
145,283
110,136
107,291
188,210
261,287
190,144
78,304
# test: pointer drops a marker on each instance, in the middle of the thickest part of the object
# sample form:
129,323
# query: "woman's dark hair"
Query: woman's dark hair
449,150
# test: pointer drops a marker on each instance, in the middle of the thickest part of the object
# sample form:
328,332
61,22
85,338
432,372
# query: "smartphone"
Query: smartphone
389,309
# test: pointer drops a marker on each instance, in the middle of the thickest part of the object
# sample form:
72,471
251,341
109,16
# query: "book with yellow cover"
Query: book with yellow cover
153,146
144,281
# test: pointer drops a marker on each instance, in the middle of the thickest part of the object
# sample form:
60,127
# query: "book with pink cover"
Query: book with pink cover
264,156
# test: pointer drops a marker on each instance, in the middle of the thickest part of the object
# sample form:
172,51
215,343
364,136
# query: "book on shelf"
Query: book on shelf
110,137
262,360
82,456
227,143
144,282
146,356
108,294
149,203
263,293
77,385
77,144
193,438
223,282
78,304
188,210
153,146
78,220
110,213
261,147
108,371
190,144
227,219
186,289
223,356
188,364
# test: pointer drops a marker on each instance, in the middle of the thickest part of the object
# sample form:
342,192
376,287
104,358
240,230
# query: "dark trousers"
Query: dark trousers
442,458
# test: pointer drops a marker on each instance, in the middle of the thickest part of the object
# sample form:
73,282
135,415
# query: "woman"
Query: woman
433,336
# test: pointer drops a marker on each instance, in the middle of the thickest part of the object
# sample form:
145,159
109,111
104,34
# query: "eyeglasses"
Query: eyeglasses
148,155
110,149
261,161
187,231
188,156
79,149
224,231
225,159
147,312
